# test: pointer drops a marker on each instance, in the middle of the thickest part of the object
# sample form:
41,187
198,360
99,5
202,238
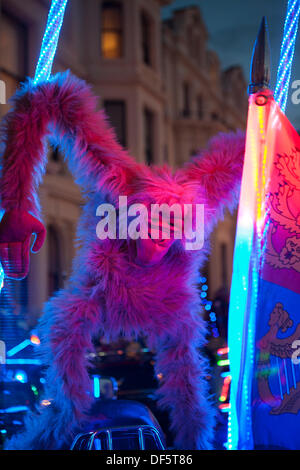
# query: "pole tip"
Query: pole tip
260,71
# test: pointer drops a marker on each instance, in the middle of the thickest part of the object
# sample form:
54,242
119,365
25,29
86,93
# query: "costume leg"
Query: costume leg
183,390
67,327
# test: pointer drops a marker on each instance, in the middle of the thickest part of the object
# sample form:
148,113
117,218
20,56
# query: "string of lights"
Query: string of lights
207,305
50,40
287,53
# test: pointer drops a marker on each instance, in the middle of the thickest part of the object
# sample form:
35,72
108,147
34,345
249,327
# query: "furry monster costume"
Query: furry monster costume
117,286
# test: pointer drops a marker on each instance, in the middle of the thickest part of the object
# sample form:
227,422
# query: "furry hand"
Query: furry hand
16,229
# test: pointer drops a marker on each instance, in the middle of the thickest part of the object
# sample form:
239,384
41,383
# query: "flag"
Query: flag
264,317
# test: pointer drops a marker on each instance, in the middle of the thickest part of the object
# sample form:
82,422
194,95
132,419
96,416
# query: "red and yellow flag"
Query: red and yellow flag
264,318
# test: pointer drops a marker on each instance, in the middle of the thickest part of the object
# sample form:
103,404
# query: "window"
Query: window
146,39
200,110
186,100
112,30
116,111
192,43
149,136
13,50
55,275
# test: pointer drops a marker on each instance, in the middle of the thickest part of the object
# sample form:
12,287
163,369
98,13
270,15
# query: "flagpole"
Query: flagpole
46,57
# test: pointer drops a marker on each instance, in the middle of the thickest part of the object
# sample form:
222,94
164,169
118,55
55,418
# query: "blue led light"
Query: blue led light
36,362
21,376
287,53
212,316
50,40
215,333
18,348
96,380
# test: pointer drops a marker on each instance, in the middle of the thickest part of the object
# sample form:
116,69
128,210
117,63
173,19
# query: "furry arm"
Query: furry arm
65,110
214,176
16,229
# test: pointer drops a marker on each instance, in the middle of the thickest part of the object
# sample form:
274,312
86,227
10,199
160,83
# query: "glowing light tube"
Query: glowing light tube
246,266
48,49
287,53
50,40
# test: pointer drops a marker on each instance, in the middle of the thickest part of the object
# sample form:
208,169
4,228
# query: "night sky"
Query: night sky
233,25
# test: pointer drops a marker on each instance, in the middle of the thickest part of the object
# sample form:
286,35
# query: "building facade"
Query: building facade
163,90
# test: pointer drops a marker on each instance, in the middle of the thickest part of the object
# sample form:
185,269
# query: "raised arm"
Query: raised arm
213,177
63,109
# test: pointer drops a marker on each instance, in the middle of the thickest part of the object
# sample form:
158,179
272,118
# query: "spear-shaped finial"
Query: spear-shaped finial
260,64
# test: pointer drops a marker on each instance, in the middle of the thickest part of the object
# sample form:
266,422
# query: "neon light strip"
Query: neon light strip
96,380
241,278
225,374
222,351
294,376
18,348
223,363
1,277
286,377
35,362
245,279
225,406
50,40
15,409
287,53
225,389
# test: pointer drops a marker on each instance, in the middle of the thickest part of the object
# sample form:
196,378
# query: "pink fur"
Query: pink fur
16,229
109,292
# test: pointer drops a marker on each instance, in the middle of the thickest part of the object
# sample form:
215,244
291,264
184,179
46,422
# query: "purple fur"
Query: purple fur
108,292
